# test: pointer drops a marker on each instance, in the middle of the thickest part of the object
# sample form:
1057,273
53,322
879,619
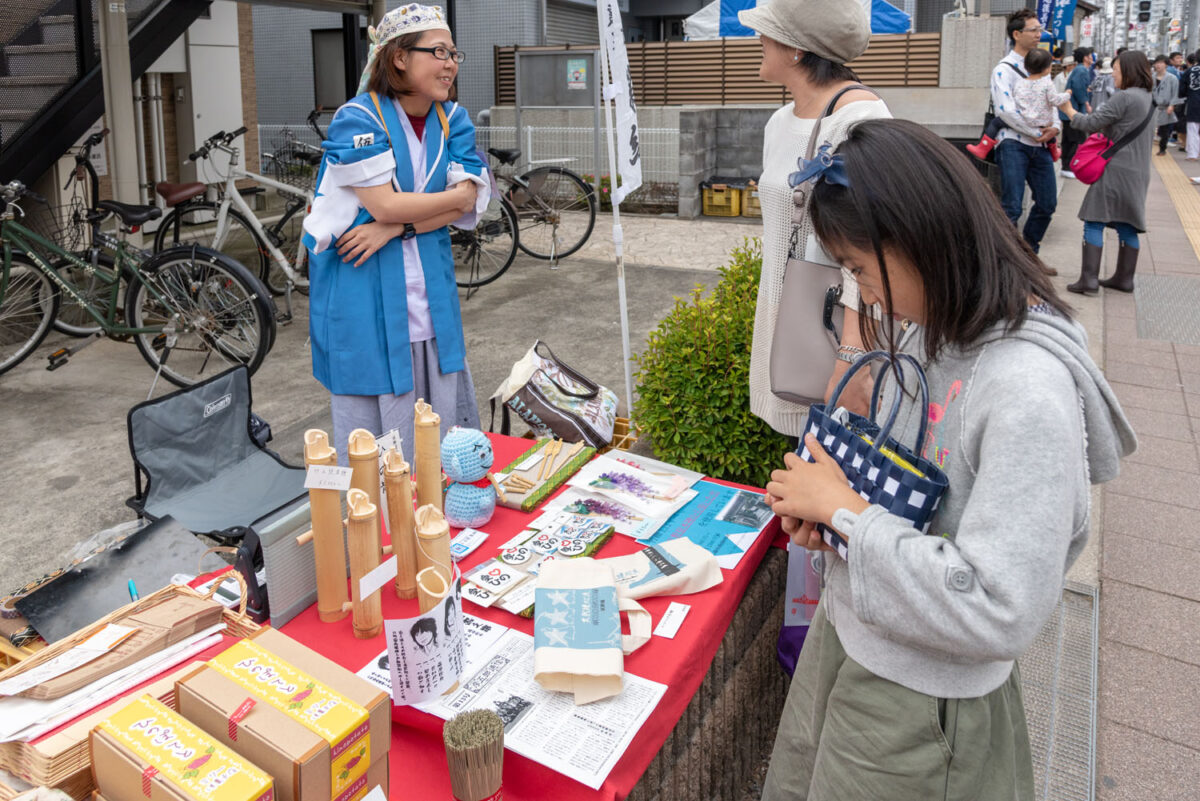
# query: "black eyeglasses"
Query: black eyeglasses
443,53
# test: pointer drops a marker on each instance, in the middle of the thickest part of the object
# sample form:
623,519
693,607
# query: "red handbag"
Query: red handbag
1097,150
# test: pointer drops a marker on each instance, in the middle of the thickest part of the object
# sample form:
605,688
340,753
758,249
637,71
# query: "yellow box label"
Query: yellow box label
330,715
185,756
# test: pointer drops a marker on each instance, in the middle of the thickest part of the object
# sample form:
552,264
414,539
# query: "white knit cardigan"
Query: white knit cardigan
784,141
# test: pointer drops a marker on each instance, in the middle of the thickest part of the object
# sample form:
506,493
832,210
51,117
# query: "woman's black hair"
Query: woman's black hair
1160,58
450,608
823,72
425,624
913,194
1037,60
1135,71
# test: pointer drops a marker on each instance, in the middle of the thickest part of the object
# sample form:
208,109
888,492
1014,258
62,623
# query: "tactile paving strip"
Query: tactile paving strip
1166,308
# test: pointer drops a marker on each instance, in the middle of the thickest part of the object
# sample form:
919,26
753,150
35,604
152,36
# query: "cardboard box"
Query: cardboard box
143,750
317,728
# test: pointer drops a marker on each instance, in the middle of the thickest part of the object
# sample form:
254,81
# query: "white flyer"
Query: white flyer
582,742
623,519
426,652
648,494
478,636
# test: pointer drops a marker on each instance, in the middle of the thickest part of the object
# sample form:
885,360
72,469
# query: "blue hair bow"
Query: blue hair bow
824,165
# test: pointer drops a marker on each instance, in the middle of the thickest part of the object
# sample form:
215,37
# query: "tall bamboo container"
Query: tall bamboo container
427,455
363,455
433,542
329,548
398,485
364,557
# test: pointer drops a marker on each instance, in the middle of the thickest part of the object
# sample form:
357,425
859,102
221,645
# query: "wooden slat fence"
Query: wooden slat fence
725,71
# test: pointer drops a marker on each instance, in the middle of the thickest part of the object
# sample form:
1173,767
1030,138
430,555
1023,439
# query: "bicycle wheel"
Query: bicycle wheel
73,320
222,314
286,234
484,253
198,226
556,213
26,311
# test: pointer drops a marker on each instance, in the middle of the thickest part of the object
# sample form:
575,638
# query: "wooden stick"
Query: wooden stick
398,485
551,451
364,557
433,542
427,450
329,548
363,454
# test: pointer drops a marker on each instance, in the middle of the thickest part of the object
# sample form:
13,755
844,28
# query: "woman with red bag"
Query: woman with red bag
1118,199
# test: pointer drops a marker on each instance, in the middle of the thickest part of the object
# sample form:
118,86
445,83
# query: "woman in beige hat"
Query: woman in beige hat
806,45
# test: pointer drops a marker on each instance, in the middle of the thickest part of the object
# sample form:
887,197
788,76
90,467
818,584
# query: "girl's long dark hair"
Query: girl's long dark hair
914,194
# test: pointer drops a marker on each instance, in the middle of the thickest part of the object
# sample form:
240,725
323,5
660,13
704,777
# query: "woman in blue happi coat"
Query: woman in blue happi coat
400,165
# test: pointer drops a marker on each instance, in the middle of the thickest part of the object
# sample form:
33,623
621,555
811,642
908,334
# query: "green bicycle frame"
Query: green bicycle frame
14,234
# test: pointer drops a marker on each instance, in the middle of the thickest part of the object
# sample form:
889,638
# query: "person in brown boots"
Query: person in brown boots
1118,199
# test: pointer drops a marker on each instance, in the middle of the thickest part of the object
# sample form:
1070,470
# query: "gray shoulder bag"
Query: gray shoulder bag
809,319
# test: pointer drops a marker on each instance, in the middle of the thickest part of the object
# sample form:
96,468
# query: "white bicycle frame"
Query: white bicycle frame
232,197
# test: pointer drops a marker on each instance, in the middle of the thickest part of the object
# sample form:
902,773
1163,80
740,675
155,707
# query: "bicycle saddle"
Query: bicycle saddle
508,156
131,213
175,194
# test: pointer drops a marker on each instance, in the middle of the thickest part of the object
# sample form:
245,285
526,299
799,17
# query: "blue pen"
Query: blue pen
133,593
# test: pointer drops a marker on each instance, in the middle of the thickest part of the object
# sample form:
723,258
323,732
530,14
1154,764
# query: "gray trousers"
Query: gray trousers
847,734
452,396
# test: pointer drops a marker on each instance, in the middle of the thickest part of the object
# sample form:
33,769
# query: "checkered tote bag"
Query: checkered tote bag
891,475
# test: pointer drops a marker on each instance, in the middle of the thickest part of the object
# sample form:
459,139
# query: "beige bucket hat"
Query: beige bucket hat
837,30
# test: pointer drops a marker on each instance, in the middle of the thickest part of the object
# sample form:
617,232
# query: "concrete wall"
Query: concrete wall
970,48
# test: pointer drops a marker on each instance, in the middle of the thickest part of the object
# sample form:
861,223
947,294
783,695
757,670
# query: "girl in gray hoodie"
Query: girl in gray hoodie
907,686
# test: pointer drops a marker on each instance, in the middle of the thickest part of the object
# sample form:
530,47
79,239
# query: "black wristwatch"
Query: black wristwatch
410,231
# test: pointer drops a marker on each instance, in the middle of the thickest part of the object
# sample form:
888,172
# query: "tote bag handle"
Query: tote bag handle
885,430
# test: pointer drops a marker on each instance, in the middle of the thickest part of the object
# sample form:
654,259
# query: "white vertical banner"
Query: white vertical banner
618,87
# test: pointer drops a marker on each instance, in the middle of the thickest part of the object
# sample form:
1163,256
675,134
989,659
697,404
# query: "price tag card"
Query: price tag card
375,580
521,538
671,620
328,477
495,577
465,542
530,462
520,599
479,595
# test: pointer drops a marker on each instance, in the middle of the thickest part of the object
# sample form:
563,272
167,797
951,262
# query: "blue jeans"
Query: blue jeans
1021,164
1093,234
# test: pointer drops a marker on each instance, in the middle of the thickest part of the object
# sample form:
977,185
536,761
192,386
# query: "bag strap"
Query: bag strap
505,421
382,121
1016,69
441,113
885,430
593,387
800,193
1129,137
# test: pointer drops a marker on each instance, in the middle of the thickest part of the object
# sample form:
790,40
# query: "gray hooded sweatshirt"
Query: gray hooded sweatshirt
1021,423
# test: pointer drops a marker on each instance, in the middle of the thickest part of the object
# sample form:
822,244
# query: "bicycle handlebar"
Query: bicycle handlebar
14,190
219,139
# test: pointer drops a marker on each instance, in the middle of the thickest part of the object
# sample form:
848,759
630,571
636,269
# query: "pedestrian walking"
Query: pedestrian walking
1021,152
1118,199
1103,87
1166,90
1077,85
805,47
907,686
1189,89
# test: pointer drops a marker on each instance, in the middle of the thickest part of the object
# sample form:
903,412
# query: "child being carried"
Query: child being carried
1036,101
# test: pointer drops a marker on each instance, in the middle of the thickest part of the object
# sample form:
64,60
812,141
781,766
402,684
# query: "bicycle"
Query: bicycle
276,254
182,306
548,212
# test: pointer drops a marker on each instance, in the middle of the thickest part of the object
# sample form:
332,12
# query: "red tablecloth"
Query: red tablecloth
417,756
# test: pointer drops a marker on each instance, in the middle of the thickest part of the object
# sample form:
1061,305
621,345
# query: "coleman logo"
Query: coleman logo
218,405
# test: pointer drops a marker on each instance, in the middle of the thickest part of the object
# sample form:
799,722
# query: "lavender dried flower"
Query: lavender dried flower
591,506
624,482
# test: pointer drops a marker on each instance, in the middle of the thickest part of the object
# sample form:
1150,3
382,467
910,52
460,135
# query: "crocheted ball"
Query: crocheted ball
466,454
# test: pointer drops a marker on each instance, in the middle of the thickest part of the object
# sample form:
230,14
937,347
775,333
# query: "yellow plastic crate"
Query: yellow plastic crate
721,200
750,204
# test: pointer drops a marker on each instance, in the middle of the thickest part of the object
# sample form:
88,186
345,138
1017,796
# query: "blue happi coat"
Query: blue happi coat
358,317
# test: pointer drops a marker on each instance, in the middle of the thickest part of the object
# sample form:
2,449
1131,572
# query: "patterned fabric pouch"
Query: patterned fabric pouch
577,640
879,468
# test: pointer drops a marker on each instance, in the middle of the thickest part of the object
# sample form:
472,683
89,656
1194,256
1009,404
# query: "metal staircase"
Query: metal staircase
50,83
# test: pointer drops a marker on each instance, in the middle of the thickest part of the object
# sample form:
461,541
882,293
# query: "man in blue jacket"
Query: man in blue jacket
1077,85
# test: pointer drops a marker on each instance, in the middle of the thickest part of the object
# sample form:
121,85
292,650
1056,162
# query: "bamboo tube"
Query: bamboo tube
433,541
364,557
431,588
329,548
363,455
427,455
398,485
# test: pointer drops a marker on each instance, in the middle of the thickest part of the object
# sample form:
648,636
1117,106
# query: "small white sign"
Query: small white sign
381,575
672,619
328,477
465,542
478,595
385,443
364,140
494,576
521,597
530,462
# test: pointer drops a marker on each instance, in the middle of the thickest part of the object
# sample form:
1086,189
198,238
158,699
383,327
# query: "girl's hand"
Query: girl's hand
467,192
812,491
363,242
857,395
804,534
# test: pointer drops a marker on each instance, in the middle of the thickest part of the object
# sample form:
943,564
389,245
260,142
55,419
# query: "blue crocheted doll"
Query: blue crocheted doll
471,496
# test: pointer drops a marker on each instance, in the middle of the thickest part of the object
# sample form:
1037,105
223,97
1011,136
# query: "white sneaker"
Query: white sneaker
1068,174
1195,180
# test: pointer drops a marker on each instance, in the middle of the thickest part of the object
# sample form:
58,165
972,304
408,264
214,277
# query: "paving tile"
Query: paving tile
1155,398
1189,380
1152,621
1134,766
1130,338
1157,484
1132,354
1172,453
1151,520
1188,362
1188,350
1160,424
1156,566
1149,692
1119,304
1144,375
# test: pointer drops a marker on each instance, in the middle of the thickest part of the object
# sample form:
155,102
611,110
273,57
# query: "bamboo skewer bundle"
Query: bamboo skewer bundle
364,557
433,542
329,548
427,455
398,485
362,453
475,754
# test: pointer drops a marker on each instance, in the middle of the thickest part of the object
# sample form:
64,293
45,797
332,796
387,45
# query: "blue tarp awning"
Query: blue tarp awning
885,18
